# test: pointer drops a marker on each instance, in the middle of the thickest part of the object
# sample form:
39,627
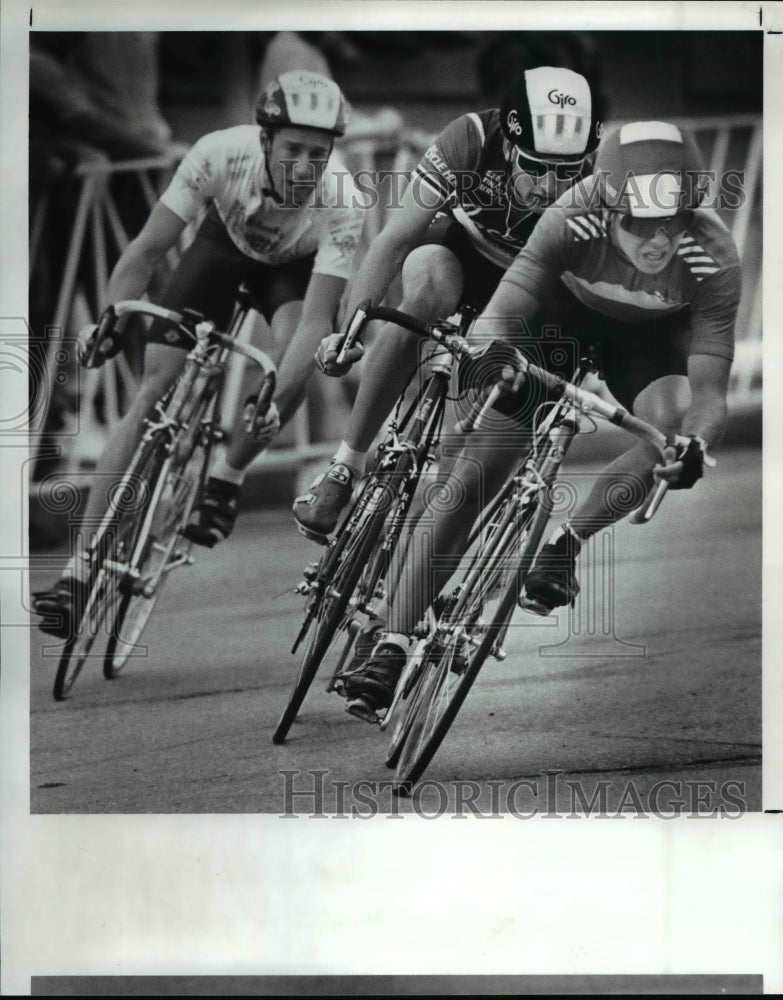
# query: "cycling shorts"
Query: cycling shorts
480,276
209,274
631,356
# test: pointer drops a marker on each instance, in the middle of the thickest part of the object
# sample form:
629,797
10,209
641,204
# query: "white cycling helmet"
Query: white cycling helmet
303,99
550,115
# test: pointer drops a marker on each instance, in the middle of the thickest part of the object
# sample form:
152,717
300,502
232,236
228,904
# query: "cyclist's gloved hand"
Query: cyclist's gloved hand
684,462
262,427
110,345
326,355
497,361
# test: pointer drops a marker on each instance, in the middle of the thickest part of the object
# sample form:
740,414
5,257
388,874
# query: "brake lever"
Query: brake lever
478,412
651,504
106,325
355,328
263,400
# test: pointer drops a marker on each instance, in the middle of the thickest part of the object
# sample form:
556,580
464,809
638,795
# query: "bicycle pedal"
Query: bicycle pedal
361,709
313,536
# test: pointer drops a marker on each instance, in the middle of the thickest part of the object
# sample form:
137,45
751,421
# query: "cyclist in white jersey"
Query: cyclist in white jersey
282,216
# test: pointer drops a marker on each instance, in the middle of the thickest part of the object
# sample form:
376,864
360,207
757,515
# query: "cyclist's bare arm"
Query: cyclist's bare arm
703,424
319,310
405,225
386,254
133,271
708,376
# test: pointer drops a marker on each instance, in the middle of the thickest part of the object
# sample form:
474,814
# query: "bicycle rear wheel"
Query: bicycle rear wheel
164,547
164,550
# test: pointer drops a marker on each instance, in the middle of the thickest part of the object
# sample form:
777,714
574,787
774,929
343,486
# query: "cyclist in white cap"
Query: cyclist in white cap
472,204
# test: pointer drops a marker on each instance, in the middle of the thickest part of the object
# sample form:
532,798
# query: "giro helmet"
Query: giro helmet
549,115
305,100
650,173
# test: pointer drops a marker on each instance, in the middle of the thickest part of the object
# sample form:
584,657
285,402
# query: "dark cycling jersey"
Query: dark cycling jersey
571,245
467,174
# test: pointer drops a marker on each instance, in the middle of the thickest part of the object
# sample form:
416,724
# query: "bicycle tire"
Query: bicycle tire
117,535
439,695
362,560
77,649
185,475
328,617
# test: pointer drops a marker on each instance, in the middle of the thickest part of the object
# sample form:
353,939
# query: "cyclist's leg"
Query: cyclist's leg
437,544
439,541
645,371
431,287
278,293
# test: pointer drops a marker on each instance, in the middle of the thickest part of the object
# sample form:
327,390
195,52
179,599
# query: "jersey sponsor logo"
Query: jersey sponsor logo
434,157
561,100
512,122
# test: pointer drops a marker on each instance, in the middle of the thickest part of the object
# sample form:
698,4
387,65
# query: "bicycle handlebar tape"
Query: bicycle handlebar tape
355,328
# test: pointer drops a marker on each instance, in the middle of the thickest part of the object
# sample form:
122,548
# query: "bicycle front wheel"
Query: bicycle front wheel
340,577
470,627
91,621
97,620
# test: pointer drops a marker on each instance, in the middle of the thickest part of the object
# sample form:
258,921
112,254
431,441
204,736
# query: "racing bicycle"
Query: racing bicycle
468,623
140,540
352,578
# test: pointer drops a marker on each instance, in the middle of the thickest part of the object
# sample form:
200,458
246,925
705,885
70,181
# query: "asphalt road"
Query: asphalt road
649,698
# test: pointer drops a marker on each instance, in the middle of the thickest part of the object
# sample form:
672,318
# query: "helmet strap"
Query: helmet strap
266,145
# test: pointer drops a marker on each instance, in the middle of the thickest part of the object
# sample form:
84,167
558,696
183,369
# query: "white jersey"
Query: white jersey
228,169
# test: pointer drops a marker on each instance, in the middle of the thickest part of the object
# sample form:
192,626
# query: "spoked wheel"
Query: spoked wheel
96,621
449,665
91,623
333,593
471,625
408,691
163,549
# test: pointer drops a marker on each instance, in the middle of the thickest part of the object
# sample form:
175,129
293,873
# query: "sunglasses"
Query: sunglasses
672,225
540,168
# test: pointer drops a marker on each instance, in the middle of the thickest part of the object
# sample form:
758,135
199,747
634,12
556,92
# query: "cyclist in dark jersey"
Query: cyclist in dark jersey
626,260
472,204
